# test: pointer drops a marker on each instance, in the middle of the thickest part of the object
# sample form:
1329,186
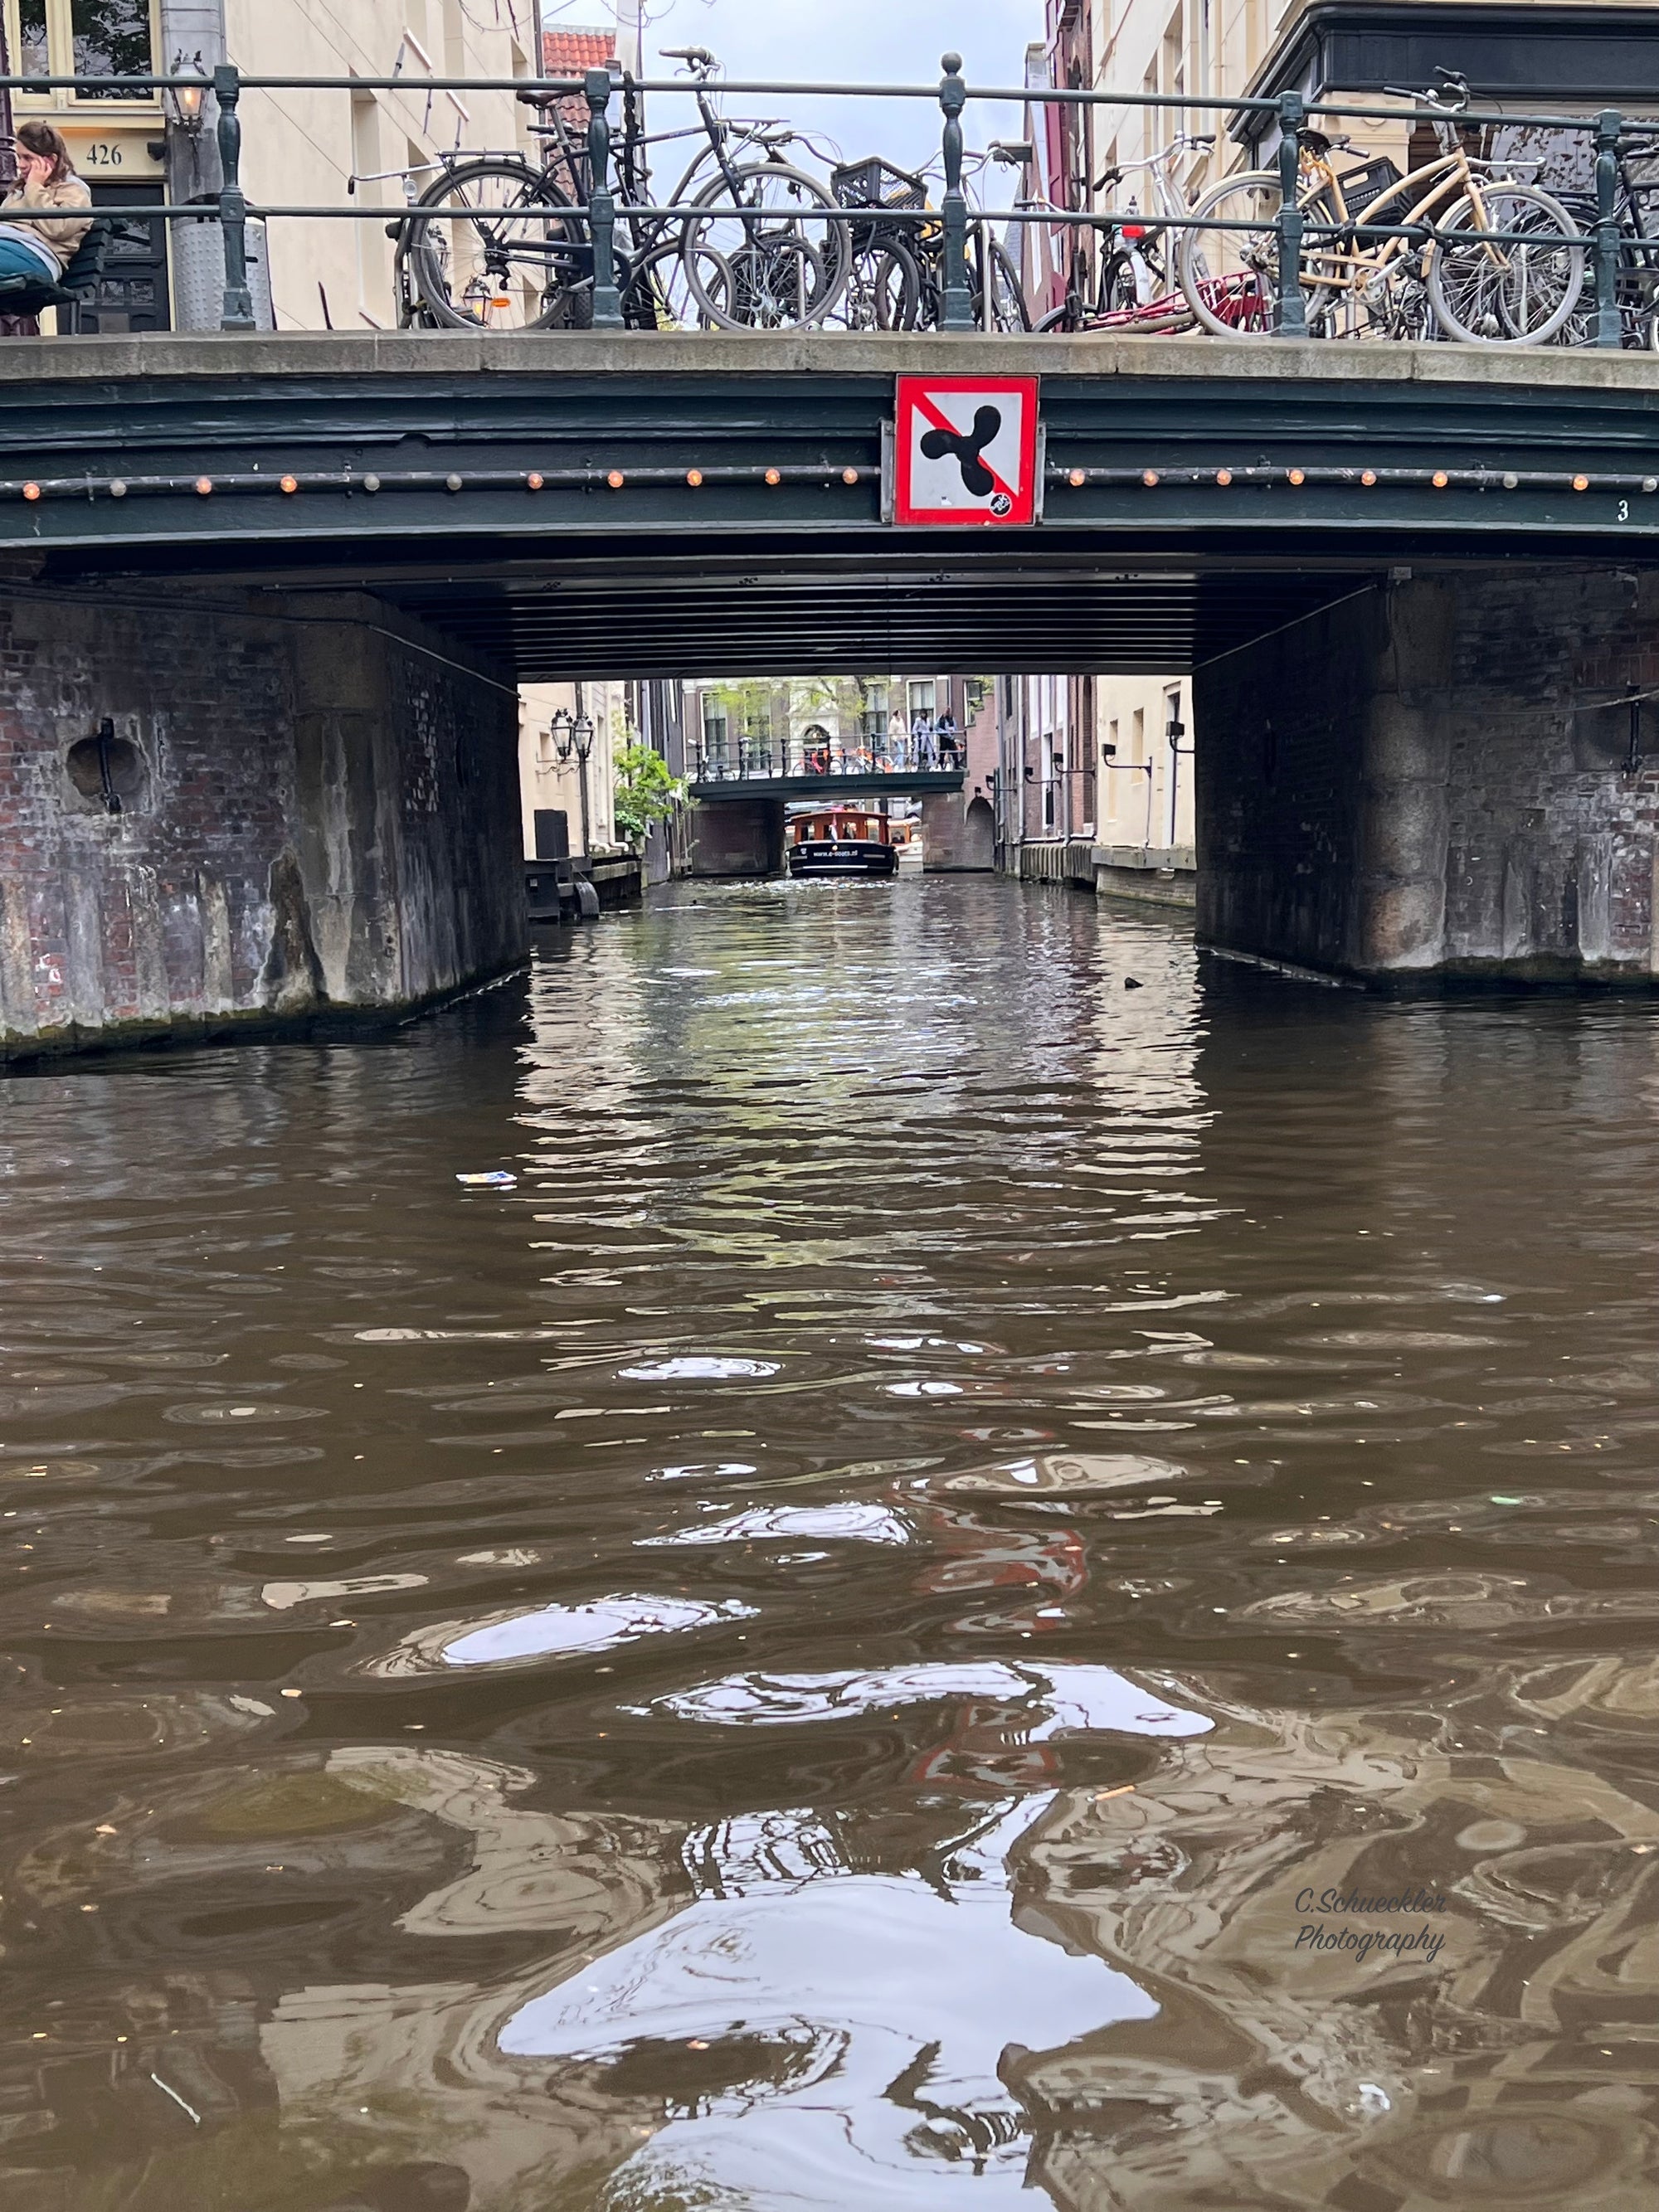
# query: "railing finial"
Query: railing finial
957,305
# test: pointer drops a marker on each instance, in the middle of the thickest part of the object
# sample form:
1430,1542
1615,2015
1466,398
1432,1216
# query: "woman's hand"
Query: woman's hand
31,168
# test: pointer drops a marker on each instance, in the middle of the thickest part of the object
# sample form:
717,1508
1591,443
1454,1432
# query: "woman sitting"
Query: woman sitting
34,244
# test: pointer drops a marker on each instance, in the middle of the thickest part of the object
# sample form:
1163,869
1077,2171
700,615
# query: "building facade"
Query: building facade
554,778
375,147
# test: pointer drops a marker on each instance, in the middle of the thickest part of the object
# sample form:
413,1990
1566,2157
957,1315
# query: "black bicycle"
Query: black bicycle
499,242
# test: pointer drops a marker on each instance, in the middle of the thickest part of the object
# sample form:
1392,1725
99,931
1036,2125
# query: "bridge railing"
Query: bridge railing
932,752
1309,245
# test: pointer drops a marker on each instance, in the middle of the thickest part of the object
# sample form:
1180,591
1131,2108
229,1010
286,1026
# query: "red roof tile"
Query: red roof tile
567,53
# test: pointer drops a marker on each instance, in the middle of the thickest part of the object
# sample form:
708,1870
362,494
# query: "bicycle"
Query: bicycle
497,242
1474,288
1637,285
1134,287
895,269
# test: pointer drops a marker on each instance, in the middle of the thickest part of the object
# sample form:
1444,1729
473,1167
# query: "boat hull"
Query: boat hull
843,857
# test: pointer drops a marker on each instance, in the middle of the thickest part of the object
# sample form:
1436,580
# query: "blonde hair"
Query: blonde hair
46,144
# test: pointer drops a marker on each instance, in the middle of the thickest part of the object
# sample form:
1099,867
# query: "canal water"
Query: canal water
1007,1569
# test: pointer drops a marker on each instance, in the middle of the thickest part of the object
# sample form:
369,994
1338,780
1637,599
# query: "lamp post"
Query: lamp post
582,739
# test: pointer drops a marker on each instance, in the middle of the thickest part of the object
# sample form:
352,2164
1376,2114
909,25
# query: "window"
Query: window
714,725
921,694
83,38
365,163
32,43
110,38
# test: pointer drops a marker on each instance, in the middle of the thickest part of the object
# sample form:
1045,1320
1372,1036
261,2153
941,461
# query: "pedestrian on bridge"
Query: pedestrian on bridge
33,242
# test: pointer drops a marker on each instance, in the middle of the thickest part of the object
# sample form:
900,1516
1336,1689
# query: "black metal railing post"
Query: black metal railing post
601,207
1291,309
1608,126
237,313
958,303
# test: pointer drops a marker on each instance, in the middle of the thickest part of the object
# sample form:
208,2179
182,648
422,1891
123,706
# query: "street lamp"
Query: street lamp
562,724
183,103
581,736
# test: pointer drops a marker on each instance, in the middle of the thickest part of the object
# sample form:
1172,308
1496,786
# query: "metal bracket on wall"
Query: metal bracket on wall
107,737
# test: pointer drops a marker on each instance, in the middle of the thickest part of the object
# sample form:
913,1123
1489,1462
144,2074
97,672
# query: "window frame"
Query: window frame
60,62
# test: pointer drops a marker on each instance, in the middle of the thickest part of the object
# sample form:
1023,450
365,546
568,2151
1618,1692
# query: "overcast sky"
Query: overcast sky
846,41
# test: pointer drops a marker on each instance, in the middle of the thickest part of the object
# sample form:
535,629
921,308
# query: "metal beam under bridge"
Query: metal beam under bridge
697,503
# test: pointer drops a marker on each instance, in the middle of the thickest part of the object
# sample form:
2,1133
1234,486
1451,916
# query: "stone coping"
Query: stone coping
720,352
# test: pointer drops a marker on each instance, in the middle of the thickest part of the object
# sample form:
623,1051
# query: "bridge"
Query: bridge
267,600
537,496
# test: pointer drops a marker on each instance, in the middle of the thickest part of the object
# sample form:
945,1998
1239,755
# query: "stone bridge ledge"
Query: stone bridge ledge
724,354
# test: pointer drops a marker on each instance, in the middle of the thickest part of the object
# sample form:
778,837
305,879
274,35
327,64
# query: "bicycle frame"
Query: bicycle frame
1416,197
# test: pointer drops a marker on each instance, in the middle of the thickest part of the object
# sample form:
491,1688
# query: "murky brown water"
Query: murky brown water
823,1648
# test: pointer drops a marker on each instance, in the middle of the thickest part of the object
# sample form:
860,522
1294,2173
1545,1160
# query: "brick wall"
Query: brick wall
315,815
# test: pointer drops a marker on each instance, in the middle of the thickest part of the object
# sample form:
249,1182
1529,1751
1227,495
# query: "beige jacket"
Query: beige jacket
60,235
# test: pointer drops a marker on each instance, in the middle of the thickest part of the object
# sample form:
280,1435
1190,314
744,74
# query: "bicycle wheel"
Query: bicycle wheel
493,244
891,286
781,273
883,290
1510,294
1008,310
1230,277
656,296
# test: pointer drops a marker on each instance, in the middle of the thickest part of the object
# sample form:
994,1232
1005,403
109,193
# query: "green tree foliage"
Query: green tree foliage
645,792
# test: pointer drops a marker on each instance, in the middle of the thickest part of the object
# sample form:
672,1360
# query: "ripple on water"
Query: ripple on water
1048,1476
849,1524
1056,1697
698,1369
553,1631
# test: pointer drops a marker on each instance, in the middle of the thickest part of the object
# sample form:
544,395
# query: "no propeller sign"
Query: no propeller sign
965,450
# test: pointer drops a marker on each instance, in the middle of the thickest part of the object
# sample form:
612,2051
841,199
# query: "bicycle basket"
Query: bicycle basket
876,183
1369,182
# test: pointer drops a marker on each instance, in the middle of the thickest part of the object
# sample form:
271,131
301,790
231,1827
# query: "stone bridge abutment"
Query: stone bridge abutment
1440,779
216,814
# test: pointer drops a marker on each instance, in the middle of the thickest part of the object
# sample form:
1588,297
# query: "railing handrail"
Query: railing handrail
1292,223
1001,96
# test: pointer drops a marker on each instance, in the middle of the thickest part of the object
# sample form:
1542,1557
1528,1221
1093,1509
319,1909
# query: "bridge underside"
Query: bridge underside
778,606
807,611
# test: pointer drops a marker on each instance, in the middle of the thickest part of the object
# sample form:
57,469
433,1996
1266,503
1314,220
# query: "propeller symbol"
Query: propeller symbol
967,445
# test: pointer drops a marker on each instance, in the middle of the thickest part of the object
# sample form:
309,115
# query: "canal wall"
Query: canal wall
735,837
1435,780
214,817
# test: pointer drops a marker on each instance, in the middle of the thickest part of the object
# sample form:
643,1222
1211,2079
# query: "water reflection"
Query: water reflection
826,2034
855,1633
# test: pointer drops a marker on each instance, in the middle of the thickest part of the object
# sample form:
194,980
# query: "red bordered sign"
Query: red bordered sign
965,450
